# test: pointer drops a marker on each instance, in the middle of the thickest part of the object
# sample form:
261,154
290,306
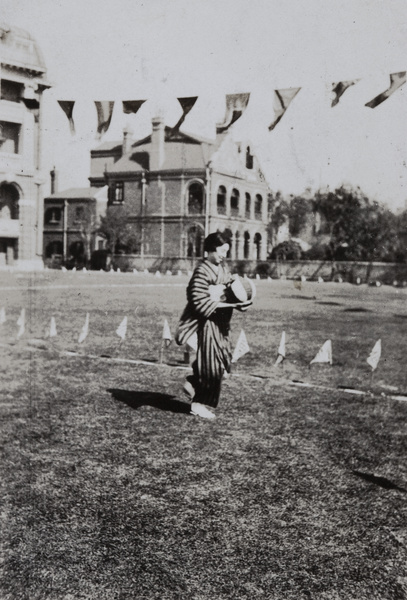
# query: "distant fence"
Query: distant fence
290,269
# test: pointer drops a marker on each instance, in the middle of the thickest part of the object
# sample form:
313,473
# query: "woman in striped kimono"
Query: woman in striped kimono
208,317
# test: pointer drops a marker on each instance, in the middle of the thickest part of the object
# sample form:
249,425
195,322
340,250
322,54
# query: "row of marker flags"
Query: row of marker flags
236,104
324,354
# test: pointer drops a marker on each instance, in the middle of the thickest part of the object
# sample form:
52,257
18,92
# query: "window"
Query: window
116,193
9,197
79,213
249,158
195,241
234,203
12,91
258,205
221,200
9,137
257,245
248,206
195,199
53,216
246,245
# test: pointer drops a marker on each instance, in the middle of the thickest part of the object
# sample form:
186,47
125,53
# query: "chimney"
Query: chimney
157,144
54,181
127,138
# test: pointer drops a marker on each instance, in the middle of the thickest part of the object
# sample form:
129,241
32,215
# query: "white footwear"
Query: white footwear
199,410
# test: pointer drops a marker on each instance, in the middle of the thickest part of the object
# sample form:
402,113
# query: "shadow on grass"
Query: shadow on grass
380,481
165,402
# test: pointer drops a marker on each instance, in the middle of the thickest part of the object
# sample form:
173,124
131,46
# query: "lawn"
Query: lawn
112,491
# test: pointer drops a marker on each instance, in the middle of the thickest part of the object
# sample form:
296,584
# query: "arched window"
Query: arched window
257,245
9,197
195,199
248,207
221,200
237,244
228,237
76,250
234,203
195,240
258,205
54,248
246,245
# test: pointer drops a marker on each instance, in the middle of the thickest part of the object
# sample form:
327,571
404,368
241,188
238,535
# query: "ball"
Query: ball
241,289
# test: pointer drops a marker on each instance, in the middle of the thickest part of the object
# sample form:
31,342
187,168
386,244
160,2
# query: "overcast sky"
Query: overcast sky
162,49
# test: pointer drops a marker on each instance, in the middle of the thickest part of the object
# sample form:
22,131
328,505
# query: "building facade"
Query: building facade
179,187
71,219
23,81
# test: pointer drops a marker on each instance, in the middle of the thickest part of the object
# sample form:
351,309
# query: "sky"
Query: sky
159,50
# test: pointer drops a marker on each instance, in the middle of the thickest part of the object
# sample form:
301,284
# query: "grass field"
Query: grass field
112,491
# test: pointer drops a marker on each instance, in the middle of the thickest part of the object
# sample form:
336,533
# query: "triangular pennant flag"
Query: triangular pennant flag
2,315
104,111
281,350
85,330
132,106
374,356
192,342
396,81
187,105
242,347
167,337
21,323
67,107
235,106
324,354
338,89
281,101
122,329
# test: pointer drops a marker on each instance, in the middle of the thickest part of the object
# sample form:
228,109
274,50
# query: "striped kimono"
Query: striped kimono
212,324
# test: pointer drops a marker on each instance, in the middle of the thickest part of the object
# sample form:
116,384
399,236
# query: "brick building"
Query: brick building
178,187
23,81
70,221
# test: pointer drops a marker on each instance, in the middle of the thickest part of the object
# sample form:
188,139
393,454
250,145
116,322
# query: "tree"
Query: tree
87,230
278,214
117,231
299,210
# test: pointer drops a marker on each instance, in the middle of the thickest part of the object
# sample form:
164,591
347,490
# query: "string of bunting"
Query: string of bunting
236,104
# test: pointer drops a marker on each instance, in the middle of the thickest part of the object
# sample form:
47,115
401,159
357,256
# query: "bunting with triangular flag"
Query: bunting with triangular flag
67,107
104,111
281,350
122,329
2,315
338,89
242,347
374,356
187,105
324,354
85,330
236,104
396,81
132,106
167,337
21,323
281,101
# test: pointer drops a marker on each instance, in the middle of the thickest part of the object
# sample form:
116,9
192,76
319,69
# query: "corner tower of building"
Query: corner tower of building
23,81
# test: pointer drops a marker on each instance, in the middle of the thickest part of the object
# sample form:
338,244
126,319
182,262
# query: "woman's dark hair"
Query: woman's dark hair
213,241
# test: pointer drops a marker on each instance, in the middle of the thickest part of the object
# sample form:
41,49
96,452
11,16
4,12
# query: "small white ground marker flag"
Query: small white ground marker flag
192,342
21,323
324,354
167,337
122,329
52,331
85,330
374,356
242,347
2,315
281,350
